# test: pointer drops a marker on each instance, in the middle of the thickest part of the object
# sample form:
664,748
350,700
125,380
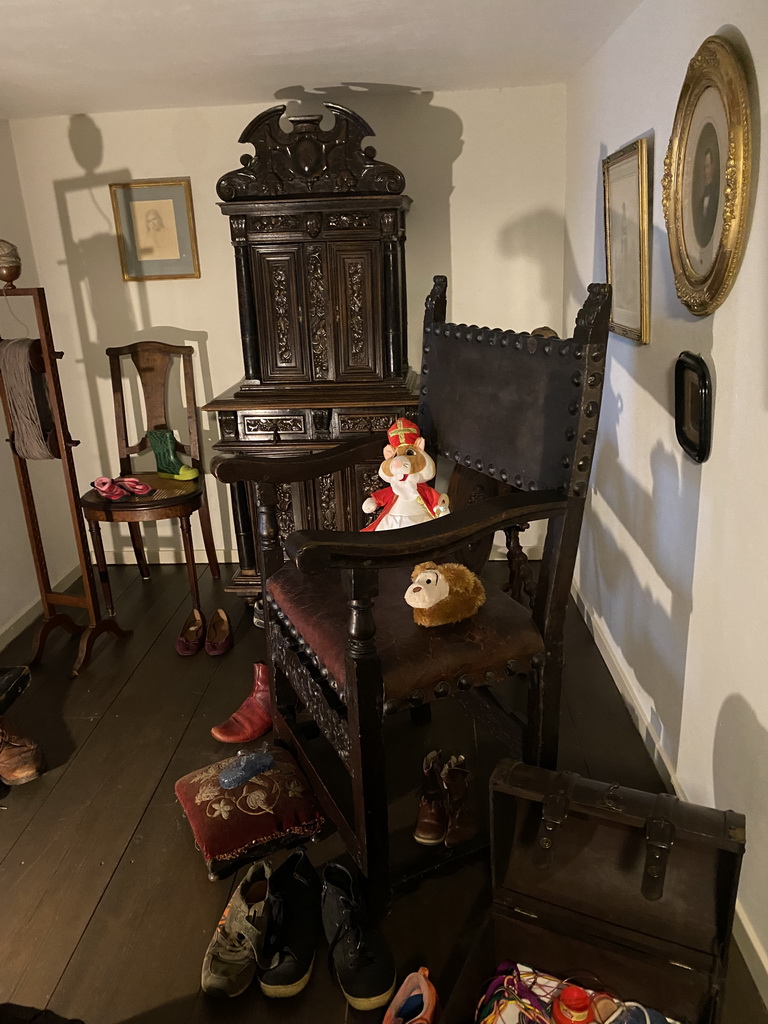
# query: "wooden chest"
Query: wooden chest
594,879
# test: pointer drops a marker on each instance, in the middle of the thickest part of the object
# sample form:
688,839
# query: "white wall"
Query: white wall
494,225
19,594
673,568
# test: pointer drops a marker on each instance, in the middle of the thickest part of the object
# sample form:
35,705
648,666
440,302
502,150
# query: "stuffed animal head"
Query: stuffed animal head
404,456
440,594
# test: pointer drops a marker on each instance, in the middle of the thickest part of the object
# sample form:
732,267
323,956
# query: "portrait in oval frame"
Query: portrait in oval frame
707,176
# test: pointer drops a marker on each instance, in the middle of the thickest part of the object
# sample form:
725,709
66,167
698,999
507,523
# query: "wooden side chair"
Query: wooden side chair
518,415
172,499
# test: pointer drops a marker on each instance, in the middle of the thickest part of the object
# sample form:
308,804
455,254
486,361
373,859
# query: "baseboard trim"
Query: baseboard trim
34,611
752,949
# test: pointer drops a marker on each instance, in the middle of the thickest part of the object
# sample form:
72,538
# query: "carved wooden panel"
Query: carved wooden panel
261,426
318,310
356,272
360,481
278,280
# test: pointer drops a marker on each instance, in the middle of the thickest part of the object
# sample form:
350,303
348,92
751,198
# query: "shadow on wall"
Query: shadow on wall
638,548
540,248
423,141
740,777
104,311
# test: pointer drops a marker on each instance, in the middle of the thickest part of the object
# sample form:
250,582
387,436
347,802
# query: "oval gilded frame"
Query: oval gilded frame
716,65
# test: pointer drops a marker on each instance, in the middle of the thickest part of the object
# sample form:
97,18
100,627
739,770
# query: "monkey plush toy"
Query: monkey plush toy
408,499
440,594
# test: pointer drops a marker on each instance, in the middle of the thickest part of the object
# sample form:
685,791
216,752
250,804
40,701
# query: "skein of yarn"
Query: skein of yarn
28,405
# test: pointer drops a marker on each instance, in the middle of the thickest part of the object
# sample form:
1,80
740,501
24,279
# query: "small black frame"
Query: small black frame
693,406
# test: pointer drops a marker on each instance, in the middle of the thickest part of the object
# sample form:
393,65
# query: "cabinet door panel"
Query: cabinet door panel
355,269
278,284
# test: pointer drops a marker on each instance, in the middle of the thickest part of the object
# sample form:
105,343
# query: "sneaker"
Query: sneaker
229,964
358,954
291,928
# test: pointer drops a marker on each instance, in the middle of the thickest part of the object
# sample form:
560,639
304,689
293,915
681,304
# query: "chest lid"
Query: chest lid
629,865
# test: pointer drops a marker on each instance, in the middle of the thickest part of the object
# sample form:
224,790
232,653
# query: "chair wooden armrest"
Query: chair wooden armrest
288,469
315,551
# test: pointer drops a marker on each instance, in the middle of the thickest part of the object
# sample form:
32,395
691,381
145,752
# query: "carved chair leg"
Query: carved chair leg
138,549
101,565
542,735
189,556
210,549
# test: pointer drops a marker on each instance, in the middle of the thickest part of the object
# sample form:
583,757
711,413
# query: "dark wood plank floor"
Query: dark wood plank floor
105,907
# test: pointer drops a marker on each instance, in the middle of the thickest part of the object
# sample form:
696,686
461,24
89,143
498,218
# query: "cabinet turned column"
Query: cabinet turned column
318,230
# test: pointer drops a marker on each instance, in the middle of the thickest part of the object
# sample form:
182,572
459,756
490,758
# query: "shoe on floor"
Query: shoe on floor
254,716
218,639
432,821
291,928
229,965
21,759
415,1001
358,954
192,636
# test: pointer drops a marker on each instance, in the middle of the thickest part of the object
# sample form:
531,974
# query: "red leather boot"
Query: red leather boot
254,716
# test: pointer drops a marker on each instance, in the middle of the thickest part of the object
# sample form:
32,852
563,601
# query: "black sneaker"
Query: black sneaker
291,928
358,953
229,964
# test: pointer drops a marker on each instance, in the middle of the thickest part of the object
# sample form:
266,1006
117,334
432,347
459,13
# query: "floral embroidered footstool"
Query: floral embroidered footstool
233,827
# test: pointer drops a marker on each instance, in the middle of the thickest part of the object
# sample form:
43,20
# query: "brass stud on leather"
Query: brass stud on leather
576,378
578,351
442,689
416,697
537,661
464,683
490,677
511,668
591,409
570,434
390,707
573,408
518,481
503,475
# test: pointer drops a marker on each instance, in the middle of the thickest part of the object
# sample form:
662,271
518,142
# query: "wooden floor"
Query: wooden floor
105,907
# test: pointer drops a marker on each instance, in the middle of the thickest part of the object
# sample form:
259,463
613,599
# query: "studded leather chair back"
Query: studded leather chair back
518,408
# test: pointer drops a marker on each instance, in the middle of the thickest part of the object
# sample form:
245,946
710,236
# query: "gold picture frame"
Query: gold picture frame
627,261
155,226
707,176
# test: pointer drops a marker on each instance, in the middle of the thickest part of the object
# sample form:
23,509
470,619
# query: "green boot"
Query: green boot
163,445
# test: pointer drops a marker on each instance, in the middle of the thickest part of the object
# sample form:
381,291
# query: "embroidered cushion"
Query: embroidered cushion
233,826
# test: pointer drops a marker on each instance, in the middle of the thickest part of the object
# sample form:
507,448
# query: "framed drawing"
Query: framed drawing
707,175
625,194
155,229
693,406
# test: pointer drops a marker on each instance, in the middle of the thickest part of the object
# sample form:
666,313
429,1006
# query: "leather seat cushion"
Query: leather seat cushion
412,657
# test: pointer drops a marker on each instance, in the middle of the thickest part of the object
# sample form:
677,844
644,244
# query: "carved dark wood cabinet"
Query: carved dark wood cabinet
318,231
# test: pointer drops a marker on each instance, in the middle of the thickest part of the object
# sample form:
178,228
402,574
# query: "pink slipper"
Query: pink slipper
108,489
134,485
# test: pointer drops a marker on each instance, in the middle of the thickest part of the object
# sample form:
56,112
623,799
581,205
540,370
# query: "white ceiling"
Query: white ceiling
91,56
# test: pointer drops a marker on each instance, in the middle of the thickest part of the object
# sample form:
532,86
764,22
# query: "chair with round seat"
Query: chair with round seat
171,499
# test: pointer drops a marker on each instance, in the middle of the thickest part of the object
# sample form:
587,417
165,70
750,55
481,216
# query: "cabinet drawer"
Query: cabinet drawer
350,423
257,425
